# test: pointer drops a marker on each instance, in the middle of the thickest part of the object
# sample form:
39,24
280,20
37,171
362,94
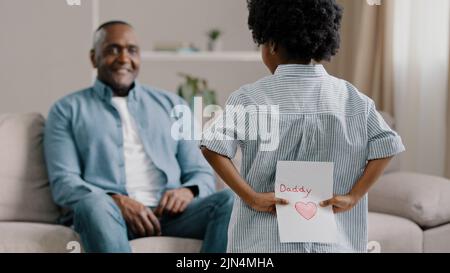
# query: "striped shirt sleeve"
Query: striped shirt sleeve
383,142
222,135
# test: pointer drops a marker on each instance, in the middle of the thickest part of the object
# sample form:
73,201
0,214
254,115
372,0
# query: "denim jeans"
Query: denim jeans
100,224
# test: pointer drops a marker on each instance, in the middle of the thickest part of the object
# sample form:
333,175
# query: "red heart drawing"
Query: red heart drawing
308,211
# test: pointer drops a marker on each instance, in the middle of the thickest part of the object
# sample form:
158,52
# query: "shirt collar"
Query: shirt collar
311,70
106,93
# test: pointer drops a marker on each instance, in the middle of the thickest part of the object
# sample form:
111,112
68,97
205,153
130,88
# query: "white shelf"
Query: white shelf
224,56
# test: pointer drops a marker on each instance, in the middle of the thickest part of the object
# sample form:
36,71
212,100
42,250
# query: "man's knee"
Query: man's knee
100,224
96,208
224,200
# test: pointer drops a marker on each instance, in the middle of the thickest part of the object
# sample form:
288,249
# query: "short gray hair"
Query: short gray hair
100,33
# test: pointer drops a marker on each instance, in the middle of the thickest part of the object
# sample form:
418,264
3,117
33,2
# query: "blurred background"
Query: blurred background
395,51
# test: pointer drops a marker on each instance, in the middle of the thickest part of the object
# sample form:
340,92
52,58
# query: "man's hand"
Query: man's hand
139,218
174,201
266,202
341,203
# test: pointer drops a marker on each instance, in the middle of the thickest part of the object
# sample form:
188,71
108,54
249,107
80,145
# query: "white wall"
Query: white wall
43,51
183,20
44,46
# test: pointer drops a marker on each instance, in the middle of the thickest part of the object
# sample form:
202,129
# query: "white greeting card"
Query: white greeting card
305,185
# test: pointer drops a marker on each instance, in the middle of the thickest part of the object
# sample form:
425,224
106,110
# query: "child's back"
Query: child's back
321,119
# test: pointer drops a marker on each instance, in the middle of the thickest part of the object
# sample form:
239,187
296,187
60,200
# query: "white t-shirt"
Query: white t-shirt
144,182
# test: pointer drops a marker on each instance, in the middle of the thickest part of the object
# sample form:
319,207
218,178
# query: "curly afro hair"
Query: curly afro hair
306,29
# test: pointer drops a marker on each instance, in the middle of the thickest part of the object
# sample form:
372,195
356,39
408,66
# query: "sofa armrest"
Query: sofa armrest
421,198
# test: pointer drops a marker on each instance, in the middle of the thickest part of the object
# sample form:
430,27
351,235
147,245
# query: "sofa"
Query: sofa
408,212
28,216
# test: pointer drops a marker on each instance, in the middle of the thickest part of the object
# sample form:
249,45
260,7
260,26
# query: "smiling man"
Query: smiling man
113,163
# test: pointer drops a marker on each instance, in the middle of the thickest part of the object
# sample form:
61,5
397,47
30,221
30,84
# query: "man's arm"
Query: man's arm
195,171
197,179
63,163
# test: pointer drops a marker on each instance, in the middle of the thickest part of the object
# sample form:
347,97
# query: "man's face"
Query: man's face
117,58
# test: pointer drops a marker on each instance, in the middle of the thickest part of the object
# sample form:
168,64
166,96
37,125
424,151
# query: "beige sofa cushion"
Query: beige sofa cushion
24,189
166,245
437,240
395,234
17,237
421,198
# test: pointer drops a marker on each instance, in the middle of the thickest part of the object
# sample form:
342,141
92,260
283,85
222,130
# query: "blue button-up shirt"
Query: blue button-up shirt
83,144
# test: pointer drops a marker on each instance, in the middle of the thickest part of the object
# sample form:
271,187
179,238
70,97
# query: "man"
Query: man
112,161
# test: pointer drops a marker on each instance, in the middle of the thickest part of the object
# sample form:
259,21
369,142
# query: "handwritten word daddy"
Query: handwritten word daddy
302,189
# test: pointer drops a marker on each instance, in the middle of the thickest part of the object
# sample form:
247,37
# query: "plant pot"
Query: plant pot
215,45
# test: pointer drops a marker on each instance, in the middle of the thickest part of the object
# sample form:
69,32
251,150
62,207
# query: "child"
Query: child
321,119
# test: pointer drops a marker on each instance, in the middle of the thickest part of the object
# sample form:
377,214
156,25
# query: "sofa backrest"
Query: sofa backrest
24,189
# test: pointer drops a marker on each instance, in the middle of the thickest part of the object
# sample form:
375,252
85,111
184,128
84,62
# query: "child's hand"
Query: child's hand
265,202
341,203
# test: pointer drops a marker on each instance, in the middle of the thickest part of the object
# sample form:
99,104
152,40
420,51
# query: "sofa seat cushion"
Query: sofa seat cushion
25,192
423,199
395,234
21,237
437,240
166,245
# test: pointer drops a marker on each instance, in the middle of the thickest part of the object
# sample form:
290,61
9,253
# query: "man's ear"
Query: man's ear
93,59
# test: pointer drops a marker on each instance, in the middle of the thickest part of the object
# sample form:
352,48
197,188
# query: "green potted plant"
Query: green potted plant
196,87
214,41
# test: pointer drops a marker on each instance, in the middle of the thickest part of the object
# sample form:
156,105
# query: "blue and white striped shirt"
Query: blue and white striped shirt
322,119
